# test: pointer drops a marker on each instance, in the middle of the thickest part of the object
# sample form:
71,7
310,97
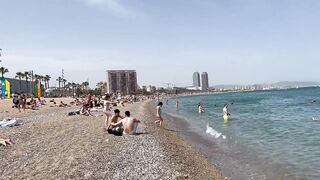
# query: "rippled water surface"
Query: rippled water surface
282,127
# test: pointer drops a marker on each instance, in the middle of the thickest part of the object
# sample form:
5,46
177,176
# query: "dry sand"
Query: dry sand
50,145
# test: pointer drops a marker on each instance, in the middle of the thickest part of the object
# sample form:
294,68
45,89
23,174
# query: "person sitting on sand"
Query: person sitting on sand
114,118
6,142
85,110
22,102
128,123
33,104
42,102
15,101
159,114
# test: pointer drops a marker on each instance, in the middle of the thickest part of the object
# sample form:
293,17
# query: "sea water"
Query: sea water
273,134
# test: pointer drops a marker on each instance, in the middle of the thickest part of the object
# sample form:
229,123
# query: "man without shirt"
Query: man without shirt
114,118
129,124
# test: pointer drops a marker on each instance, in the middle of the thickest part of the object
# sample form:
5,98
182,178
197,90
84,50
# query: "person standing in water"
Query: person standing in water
226,114
200,108
159,114
225,110
177,104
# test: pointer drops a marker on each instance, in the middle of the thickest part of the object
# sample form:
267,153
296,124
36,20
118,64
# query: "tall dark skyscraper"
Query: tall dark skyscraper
196,79
123,81
205,81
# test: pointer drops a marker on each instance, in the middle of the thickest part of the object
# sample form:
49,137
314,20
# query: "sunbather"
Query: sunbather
6,142
85,110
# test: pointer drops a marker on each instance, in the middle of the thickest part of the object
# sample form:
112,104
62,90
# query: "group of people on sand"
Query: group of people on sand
116,123
21,101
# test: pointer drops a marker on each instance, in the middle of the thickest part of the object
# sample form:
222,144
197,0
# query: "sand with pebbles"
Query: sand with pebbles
51,145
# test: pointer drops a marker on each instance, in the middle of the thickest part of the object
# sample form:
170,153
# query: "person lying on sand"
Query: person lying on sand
6,142
62,104
129,124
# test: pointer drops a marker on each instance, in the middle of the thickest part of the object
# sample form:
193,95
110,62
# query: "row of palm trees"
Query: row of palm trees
74,88
64,85
30,76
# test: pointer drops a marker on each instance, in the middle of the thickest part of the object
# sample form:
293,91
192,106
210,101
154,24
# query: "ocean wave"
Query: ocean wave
214,133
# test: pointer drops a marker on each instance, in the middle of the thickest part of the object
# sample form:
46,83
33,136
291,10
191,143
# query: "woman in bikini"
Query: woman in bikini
107,108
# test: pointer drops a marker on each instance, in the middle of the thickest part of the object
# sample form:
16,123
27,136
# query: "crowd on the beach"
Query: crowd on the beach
108,104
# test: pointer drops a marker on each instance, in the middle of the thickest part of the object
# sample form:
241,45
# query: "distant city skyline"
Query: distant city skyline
239,41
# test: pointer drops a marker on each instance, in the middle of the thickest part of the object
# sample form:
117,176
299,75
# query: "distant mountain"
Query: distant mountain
290,84
277,85
226,86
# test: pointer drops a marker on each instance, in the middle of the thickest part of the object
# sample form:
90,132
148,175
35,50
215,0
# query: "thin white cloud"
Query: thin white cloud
113,6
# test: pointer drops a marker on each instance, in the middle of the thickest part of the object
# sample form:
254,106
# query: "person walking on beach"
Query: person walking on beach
159,114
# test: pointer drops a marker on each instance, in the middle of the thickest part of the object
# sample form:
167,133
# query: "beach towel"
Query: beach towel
11,123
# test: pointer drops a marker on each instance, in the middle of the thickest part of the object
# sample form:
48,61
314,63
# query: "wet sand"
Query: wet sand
51,145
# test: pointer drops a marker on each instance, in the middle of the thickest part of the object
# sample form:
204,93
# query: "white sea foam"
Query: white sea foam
214,133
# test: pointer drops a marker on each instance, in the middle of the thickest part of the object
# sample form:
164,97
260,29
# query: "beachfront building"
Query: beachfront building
205,81
122,81
21,86
196,79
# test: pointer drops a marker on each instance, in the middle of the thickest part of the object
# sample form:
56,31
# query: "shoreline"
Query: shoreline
230,163
51,145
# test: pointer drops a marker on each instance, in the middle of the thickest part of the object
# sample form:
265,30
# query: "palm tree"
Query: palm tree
19,75
37,78
26,75
46,81
64,82
64,85
3,71
85,84
59,79
74,85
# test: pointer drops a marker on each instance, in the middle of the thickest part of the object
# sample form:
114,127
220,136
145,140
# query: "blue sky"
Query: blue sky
235,41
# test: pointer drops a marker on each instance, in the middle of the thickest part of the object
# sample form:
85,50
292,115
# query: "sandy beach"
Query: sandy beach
51,145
